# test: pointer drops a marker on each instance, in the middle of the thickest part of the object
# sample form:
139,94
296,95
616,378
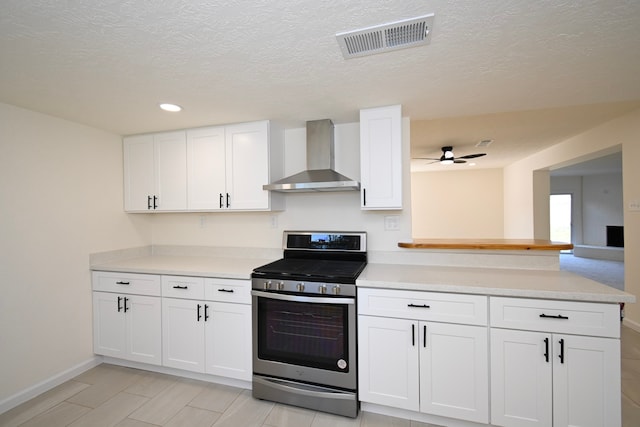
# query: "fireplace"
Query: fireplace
615,236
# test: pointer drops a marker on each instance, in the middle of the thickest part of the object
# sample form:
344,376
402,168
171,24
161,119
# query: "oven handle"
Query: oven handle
300,298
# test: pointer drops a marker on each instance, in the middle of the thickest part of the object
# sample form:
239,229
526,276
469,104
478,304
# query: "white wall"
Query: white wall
318,210
457,204
602,206
61,195
631,194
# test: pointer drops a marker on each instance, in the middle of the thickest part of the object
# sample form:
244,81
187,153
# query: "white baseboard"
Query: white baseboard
46,385
427,419
180,373
610,253
630,323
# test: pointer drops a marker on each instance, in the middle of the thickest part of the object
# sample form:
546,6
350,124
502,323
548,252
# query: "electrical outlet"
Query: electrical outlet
274,221
391,222
203,221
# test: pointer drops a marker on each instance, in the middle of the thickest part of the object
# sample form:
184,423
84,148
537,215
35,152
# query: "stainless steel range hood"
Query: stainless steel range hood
320,174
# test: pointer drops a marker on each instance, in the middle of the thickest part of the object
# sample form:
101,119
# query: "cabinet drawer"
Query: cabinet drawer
126,283
570,317
228,290
183,287
433,306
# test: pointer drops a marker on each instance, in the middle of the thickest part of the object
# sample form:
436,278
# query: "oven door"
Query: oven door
305,338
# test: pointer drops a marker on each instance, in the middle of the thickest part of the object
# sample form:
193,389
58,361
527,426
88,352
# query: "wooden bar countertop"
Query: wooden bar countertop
487,244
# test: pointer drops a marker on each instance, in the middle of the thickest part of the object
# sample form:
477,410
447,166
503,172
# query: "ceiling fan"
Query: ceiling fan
448,158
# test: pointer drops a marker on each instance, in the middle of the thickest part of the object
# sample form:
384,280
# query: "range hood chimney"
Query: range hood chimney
320,174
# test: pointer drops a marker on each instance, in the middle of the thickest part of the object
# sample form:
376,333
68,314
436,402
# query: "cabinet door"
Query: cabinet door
109,327
586,381
144,336
454,371
388,362
247,153
228,340
183,334
170,160
206,186
521,378
381,157
138,172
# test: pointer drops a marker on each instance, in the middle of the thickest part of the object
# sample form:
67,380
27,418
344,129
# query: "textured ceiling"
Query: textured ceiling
109,63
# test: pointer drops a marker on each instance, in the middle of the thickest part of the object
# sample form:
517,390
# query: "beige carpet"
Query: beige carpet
610,273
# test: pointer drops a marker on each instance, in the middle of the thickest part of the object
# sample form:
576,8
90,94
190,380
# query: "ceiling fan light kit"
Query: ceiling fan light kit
448,158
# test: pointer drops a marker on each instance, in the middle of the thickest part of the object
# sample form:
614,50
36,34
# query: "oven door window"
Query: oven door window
302,333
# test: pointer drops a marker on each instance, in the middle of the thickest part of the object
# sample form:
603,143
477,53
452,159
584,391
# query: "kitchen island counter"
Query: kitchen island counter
544,284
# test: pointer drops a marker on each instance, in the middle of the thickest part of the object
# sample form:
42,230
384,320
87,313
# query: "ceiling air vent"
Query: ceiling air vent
382,38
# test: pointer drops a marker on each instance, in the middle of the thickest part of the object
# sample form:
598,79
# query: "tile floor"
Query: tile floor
116,396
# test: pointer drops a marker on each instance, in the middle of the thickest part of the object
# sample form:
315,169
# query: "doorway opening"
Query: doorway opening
560,218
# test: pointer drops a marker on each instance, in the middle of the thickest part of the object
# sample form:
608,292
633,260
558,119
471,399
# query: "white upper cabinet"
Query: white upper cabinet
381,158
248,166
138,172
206,168
155,172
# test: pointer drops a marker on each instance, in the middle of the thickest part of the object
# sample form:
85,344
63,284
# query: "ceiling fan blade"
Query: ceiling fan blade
472,156
426,158
459,161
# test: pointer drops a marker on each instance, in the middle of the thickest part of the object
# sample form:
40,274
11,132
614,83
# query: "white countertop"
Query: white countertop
201,266
546,284
559,285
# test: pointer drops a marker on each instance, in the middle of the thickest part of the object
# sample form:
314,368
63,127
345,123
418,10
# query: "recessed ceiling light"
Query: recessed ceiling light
171,107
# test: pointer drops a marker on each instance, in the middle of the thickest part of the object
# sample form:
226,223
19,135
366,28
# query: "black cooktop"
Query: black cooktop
311,269
318,256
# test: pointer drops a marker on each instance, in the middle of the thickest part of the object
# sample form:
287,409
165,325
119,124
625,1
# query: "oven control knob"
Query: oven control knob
280,286
267,285
300,287
322,289
336,290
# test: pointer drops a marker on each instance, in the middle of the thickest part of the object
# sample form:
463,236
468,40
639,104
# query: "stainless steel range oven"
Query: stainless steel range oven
304,322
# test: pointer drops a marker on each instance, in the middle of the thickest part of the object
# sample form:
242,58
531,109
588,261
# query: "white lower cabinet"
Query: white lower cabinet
542,378
127,316
183,323
388,362
454,376
208,336
192,323
426,366
228,341
127,327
